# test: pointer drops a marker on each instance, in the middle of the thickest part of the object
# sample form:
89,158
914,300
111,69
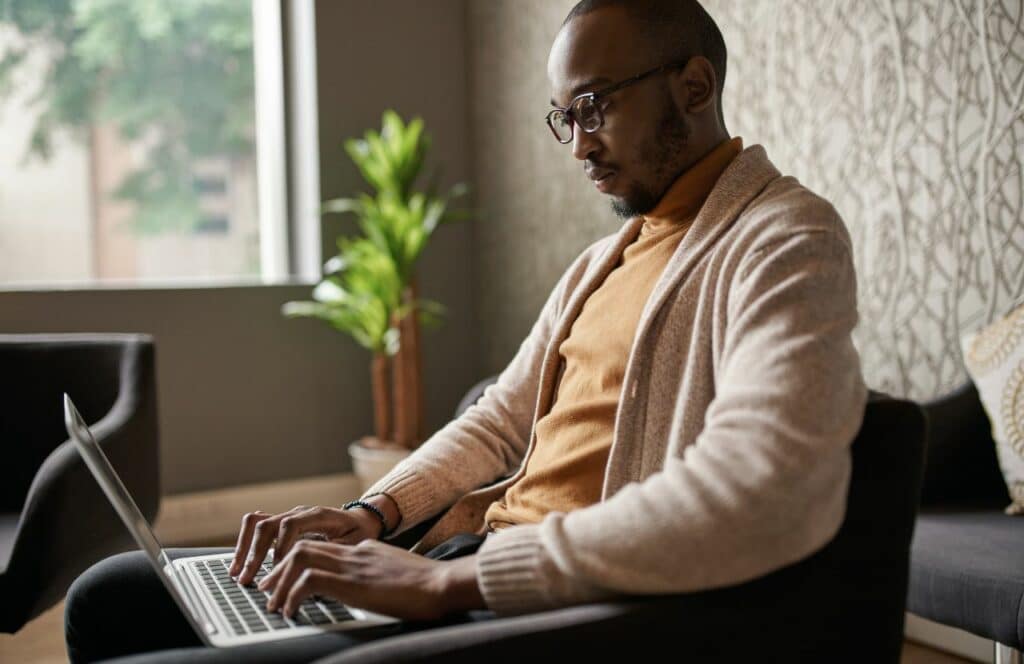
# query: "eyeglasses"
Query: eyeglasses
585,110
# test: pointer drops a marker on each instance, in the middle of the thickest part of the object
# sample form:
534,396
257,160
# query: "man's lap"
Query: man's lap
119,610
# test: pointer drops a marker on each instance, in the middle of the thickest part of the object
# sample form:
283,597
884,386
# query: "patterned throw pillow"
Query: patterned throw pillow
994,357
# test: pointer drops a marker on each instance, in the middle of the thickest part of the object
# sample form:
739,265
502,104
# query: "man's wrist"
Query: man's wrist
375,513
458,586
387,505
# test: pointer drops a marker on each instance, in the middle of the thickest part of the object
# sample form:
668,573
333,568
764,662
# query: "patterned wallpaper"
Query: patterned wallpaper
907,114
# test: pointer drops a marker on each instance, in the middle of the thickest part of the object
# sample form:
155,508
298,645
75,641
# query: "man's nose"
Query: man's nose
583,144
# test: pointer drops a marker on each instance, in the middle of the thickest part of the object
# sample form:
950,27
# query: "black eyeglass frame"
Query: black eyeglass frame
594,96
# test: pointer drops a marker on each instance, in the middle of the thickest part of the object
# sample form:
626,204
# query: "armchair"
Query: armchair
54,520
844,603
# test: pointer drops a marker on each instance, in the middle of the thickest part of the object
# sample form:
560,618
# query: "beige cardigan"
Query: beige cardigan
742,394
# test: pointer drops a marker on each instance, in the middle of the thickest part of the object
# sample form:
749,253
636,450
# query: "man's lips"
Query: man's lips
602,178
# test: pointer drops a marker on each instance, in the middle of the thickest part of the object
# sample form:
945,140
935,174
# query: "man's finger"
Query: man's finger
311,582
263,537
249,522
296,525
281,570
306,555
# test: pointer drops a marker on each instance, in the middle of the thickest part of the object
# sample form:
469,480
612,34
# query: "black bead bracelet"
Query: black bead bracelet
386,530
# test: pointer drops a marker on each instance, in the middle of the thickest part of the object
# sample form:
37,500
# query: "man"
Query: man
680,415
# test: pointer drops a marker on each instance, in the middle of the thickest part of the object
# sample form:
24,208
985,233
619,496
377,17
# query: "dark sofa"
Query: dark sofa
967,562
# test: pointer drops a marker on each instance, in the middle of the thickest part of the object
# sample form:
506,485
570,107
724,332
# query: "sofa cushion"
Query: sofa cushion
994,357
968,571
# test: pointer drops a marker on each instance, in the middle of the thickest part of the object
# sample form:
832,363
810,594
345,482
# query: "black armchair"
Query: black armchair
967,570
54,520
844,603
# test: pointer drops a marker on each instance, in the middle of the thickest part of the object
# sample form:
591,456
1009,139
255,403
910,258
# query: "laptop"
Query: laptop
222,612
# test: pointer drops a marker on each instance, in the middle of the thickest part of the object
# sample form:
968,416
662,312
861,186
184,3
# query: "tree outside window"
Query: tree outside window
139,113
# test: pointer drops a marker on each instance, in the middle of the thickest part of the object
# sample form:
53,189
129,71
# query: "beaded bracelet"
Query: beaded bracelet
385,529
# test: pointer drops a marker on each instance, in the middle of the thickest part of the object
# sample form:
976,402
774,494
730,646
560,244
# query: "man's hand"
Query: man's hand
373,576
260,530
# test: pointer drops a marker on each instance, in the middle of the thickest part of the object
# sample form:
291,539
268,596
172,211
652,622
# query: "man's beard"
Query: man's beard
663,151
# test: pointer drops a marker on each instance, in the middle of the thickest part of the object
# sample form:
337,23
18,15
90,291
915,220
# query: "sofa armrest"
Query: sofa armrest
591,630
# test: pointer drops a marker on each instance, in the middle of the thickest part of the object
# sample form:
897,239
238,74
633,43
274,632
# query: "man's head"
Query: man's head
657,127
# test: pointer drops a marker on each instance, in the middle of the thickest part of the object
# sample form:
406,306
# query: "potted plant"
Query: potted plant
369,288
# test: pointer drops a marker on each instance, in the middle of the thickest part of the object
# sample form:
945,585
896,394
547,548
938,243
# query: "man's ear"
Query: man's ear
694,86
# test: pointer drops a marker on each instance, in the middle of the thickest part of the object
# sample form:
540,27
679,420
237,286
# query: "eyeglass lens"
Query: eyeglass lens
585,113
561,125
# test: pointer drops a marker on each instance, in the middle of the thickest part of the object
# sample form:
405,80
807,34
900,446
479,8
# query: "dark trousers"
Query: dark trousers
118,608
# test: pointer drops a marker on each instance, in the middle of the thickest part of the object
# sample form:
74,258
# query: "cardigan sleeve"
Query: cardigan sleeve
490,439
765,483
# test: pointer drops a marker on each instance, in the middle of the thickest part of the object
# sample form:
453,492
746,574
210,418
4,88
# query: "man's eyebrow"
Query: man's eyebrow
583,87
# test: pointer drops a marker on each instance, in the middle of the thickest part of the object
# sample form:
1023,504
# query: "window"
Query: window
128,142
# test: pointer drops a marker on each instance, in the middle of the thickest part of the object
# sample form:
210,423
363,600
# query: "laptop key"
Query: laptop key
337,611
318,617
251,619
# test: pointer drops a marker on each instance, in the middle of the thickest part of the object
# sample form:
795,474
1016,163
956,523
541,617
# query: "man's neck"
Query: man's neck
702,147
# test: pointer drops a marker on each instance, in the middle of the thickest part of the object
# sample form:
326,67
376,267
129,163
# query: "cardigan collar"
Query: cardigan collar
745,177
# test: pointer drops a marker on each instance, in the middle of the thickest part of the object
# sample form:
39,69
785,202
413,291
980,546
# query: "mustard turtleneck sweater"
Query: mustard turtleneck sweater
566,469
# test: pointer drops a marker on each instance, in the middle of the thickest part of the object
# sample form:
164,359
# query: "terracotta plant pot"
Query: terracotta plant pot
373,459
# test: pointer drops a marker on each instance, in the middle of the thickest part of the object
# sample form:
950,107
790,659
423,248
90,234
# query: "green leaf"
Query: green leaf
363,294
329,291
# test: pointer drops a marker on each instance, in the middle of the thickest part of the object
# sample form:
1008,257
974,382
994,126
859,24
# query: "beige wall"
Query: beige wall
408,56
907,115
538,210
245,395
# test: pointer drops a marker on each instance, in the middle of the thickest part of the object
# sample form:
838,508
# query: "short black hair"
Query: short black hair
677,29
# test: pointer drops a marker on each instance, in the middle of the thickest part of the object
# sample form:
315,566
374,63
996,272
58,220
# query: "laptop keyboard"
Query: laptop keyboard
244,607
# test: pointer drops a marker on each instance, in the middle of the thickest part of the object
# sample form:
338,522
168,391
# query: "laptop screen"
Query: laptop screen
111,484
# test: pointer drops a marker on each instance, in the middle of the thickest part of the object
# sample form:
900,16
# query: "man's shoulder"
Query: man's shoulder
785,208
